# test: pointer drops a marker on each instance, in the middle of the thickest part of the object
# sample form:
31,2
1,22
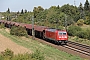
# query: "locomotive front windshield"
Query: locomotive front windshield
62,33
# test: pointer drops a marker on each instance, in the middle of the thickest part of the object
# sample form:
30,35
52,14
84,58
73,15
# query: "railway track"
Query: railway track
72,47
84,49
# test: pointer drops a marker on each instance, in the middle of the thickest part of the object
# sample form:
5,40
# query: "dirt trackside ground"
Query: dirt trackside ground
7,43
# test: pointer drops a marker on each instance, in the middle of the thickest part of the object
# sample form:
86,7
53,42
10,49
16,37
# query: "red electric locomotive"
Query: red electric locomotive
59,36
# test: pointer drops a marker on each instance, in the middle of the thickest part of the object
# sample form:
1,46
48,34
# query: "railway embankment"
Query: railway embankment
49,52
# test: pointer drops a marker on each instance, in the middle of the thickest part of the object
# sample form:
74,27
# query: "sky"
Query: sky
18,5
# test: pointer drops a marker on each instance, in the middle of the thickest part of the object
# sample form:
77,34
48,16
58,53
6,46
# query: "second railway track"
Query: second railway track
72,47
84,49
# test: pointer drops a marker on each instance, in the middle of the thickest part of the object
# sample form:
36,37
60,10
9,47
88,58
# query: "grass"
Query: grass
49,52
85,26
79,40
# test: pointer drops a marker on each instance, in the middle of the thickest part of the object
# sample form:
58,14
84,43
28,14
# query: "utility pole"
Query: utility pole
74,3
33,27
65,22
57,23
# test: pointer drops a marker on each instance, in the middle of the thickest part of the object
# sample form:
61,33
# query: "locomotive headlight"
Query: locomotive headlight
60,37
65,36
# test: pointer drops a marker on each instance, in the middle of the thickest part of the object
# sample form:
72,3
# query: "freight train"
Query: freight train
56,35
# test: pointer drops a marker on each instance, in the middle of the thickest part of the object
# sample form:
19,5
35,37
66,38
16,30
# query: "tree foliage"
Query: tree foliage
2,25
81,10
37,55
84,34
25,11
9,55
37,10
87,20
18,31
87,5
80,22
55,16
8,11
22,12
73,30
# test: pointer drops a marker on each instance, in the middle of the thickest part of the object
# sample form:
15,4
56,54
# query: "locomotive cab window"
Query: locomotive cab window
62,33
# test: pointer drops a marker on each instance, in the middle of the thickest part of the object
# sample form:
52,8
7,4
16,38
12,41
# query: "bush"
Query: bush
7,54
77,31
88,34
2,25
37,55
13,30
72,30
80,22
18,31
87,20
82,34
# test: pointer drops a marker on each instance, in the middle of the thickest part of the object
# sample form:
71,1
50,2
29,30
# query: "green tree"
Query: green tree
71,11
8,11
40,8
25,11
53,17
86,5
58,7
37,10
22,11
87,20
81,10
80,7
